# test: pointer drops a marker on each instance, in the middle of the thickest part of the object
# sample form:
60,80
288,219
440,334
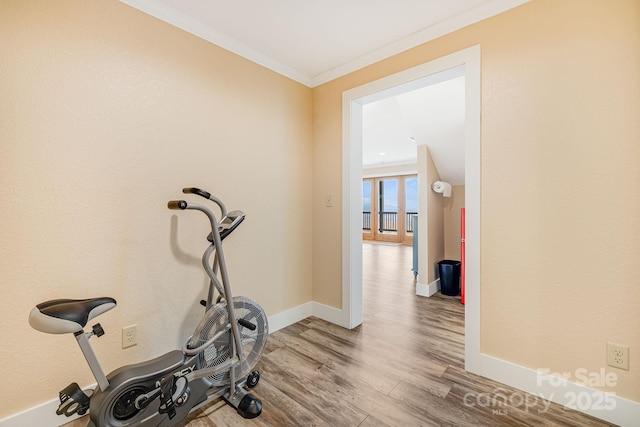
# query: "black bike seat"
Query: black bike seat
62,316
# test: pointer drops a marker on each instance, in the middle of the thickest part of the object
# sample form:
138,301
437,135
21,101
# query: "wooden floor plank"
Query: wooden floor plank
308,387
436,409
372,421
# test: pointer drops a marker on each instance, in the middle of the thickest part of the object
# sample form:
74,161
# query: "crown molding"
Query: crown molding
191,25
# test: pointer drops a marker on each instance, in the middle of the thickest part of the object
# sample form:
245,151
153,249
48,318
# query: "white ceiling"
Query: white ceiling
433,115
315,41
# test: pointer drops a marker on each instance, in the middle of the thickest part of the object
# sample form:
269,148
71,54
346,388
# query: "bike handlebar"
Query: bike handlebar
206,195
199,192
177,204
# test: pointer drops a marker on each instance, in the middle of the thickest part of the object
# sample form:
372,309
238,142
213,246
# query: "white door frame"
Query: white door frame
352,103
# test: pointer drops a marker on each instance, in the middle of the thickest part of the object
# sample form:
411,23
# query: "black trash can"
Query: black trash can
449,271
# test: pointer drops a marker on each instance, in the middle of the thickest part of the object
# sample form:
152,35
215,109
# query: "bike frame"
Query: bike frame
223,287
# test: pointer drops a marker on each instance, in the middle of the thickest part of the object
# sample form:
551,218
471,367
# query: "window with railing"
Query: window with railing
388,205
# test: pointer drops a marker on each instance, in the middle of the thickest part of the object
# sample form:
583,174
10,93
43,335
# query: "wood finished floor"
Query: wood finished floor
402,367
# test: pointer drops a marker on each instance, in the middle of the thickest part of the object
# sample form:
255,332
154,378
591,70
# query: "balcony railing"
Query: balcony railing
366,221
409,221
388,221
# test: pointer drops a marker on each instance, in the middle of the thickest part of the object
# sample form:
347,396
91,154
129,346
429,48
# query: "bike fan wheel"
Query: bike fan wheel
252,341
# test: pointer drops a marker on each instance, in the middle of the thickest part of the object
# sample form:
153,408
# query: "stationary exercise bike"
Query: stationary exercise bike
216,362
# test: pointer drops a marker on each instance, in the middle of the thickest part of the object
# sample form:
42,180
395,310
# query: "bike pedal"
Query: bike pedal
166,399
73,401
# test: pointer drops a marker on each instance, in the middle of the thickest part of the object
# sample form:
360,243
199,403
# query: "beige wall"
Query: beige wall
452,206
560,181
105,114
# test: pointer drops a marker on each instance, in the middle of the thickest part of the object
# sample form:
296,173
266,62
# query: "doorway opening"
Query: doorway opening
352,192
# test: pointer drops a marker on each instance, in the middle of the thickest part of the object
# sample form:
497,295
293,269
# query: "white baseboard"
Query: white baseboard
599,404
289,317
42,415
330,314
296,314
424,290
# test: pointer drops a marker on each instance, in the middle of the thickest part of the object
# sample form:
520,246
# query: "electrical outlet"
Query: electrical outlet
328,200
618,356
129,336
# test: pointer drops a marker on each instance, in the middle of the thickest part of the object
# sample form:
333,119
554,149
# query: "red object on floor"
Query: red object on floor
462,254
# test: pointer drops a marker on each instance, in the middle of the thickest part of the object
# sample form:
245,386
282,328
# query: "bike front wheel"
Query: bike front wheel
220,350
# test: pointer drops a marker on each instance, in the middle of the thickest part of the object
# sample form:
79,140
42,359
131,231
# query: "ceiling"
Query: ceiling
315,41
433,115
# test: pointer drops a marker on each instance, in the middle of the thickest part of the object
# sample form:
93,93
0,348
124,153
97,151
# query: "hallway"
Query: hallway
389,296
